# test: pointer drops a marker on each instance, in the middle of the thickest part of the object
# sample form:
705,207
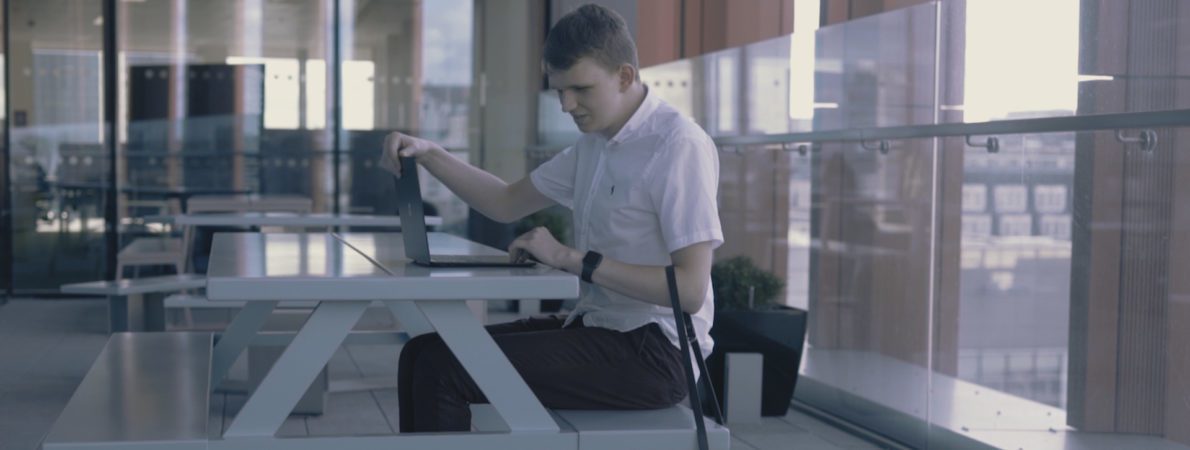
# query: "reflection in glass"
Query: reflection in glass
1014,308
870,293
877,71
59,162
414,79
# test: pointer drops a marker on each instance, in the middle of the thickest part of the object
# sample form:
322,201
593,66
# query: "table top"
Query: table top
283,219
167,191
316,266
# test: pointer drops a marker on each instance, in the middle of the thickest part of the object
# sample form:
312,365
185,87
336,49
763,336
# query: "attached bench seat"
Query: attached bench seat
144,389
183,300
152,251
668,428
127,308
165,283
653,429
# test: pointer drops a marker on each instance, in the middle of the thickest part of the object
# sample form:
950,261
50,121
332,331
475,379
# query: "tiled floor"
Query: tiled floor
47,346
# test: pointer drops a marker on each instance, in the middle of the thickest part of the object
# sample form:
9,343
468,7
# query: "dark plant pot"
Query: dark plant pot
778,335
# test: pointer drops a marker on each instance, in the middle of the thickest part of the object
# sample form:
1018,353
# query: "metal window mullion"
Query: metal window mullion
110,92
6,206
336,106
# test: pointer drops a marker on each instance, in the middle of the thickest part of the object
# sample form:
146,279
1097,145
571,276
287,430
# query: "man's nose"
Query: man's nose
568,102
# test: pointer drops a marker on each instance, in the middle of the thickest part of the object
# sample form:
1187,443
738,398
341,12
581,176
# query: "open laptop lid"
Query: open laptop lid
413,218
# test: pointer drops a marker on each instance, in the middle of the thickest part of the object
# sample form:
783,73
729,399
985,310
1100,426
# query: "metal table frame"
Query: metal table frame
421,298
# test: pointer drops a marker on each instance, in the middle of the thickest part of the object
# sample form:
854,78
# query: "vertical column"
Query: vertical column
176,115
952,51
509,42
6,235
403,71
1127,371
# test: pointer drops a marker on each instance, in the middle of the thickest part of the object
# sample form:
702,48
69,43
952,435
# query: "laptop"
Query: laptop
413,228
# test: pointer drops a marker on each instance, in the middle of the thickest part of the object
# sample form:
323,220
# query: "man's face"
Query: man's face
591,94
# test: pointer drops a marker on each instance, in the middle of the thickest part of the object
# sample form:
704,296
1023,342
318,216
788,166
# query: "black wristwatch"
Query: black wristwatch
590,262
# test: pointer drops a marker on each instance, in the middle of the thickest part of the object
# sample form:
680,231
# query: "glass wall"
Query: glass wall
414,78
1024,295
215,102
218,98
59,167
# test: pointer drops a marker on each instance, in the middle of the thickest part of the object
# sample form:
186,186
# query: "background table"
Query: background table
280,219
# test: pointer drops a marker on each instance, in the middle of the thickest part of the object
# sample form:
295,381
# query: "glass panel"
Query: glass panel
847,228
1068,319
57,147
868,343
414,79
877,71
1037,302
221,98
226,117
1002,315
1063,57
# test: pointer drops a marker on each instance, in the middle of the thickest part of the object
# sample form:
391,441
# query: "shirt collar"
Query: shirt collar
646,108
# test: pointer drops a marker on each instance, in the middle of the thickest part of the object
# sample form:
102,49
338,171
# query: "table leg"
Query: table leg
153,308
300,363
117,313
240,332
134,312
491,370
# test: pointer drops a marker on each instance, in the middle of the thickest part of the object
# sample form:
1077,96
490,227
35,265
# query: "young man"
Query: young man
642,183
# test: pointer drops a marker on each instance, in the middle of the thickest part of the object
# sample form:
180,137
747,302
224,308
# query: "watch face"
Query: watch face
590,262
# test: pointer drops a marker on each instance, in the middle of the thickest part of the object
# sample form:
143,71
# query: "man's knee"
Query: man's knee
433,354
411,351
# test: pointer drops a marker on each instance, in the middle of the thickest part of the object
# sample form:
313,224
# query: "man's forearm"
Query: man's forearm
646,283
483,191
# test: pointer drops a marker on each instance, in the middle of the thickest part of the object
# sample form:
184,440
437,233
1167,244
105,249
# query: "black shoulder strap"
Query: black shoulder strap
687,339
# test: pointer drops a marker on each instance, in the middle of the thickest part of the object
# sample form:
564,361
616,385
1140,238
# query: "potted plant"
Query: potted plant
749,320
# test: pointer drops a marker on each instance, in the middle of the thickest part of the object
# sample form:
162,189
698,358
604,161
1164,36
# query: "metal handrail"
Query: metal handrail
1115,121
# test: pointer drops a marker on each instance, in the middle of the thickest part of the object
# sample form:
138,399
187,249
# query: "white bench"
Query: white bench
151,251
128,310
652,429
144,388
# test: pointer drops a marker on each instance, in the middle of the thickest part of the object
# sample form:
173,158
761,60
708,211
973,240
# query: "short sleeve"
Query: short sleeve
684,190
555,178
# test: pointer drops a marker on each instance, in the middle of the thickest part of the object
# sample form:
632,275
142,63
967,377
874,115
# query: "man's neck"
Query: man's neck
636,94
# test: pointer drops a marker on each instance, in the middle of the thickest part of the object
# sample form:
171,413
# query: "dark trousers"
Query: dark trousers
577,367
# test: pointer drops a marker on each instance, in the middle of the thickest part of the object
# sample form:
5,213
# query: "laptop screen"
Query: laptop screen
413,219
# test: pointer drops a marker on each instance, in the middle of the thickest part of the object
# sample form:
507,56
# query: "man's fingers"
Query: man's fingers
389,158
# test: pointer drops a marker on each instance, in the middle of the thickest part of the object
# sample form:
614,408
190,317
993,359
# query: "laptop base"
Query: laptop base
472,261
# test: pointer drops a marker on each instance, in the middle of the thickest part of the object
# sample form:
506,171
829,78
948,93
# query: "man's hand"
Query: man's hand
538,243
397,145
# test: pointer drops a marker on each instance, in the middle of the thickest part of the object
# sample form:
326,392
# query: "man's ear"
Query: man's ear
627,75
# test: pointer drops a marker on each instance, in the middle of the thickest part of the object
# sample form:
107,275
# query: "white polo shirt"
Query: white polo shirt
648,191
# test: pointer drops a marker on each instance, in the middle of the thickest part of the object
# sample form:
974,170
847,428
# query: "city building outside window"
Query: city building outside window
975,197
1011,198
